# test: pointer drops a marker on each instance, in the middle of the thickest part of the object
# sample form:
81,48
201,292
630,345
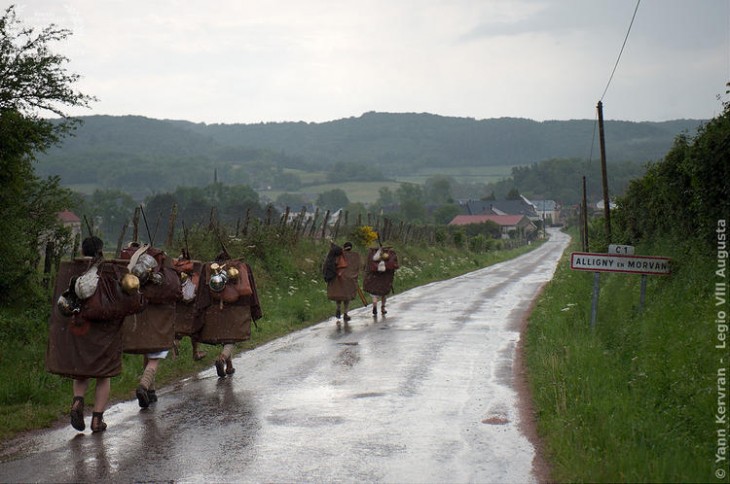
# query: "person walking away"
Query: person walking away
381,264
227,302
152,332
85,339
344,265
187,320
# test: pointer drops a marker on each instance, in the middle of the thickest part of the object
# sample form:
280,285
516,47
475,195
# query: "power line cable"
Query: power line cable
615,66
622,49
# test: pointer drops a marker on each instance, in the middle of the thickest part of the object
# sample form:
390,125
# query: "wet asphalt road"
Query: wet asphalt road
424,394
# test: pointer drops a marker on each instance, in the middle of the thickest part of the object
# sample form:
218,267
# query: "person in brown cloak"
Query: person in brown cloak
187,322
152,332
344,264
227,303
380,267
79,348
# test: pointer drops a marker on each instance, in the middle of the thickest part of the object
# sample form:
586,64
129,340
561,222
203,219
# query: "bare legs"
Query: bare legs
101,398
382,305
197,354
146,392
224,363
345,306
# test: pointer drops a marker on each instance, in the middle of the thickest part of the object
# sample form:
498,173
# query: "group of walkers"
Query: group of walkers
143,303
341,271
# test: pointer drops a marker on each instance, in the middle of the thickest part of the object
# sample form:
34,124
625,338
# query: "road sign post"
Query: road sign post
594,301
621,260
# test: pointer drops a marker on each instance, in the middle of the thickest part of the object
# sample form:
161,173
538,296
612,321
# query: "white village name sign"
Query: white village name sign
632,264
618,261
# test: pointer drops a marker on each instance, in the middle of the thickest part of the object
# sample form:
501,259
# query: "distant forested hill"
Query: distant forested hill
413,140
142,155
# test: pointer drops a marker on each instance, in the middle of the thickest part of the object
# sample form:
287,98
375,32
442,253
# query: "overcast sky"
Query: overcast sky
250,61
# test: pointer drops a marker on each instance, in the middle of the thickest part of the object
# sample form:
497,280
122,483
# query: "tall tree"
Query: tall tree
33,81
333,199
412,203
438,189
110,210
513,194
386,197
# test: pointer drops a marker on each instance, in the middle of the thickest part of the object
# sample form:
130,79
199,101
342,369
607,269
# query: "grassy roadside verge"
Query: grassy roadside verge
292,296
635,399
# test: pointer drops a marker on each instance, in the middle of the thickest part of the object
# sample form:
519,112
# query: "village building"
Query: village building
510,225
72,222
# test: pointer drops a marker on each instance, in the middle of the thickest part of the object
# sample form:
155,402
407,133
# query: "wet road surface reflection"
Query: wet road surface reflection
423,394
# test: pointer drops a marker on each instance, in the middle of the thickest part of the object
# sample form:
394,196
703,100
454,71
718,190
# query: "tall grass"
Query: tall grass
292,293
632,400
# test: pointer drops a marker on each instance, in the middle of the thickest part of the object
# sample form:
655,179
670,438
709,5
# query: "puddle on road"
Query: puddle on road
347,357
369,395
496,420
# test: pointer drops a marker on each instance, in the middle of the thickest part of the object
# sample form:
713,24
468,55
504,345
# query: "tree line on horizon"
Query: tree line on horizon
143,156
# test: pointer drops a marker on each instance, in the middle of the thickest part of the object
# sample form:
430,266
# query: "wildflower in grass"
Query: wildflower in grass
406,272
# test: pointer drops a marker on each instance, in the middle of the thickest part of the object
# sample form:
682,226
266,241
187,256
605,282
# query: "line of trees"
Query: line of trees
683,196
32,80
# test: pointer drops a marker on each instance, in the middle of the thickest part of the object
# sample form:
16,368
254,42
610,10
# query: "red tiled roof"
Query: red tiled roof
478,219
68,217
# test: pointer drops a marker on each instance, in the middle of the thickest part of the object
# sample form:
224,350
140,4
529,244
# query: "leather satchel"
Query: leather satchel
109,302
168,291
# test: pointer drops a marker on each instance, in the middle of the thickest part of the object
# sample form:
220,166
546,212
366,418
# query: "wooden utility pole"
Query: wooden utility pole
604,176
584,218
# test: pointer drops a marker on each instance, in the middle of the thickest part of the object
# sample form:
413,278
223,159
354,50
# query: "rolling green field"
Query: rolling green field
465,174
315,182
363,192
368,192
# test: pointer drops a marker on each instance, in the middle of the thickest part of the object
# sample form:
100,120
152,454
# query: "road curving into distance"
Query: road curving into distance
424,394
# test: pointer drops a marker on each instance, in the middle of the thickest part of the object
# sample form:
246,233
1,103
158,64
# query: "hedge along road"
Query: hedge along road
426,393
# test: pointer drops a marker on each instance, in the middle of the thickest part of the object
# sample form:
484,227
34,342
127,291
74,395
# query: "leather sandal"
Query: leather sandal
143,397
229,367
97,422
220,367
77,414
152,394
